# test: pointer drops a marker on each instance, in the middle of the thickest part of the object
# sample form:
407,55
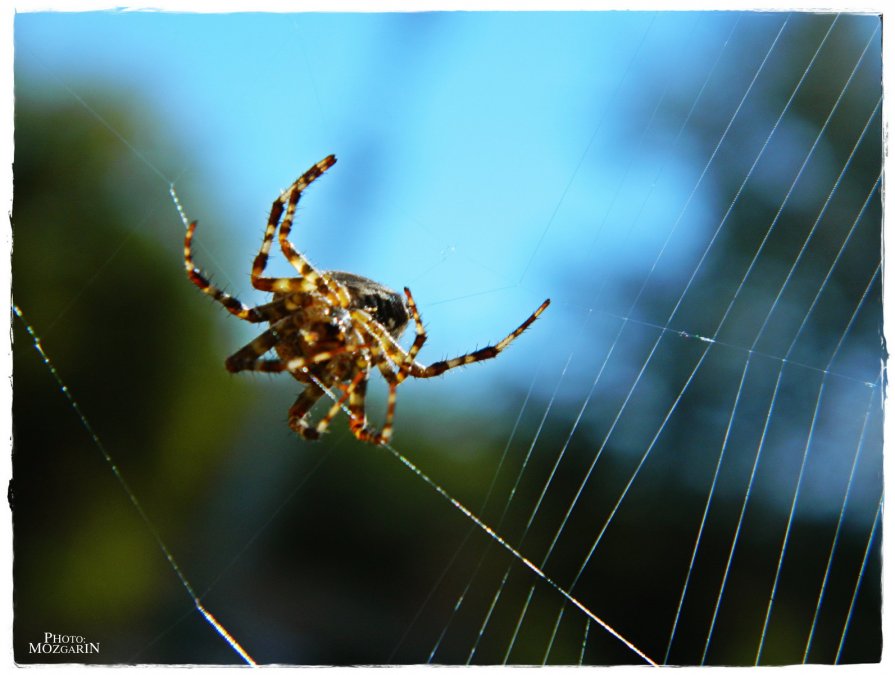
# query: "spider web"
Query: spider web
680,462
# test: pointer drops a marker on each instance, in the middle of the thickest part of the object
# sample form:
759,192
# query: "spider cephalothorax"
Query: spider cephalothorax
330,329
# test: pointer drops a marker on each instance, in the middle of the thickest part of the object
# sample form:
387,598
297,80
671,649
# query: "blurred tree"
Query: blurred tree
102,295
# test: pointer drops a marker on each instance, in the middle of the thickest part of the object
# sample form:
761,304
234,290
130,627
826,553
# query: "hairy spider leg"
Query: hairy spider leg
305,402
331,288
300,409
391,378
293,365
359,382
358,390
421,336
415,369
276,212
246,357
309,279
408,367
230,303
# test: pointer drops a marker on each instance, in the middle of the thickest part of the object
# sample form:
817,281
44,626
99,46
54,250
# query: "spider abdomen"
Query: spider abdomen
382,303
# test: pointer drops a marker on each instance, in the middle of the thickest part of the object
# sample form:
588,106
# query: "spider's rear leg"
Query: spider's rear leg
384,436
358,420
249,356
300,409
416,370
356,393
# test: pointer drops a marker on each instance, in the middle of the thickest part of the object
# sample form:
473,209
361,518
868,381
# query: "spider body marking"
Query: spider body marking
330,329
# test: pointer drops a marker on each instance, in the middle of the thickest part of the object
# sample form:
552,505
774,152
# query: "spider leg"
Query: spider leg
276,212
326,287
300,409
421,336
248,357
309,279
414,369
231,304
292,365
389,345
357,387
384,436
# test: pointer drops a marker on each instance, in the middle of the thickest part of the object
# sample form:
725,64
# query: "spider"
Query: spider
330,329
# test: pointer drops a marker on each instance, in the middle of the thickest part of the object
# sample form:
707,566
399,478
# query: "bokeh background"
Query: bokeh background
698,194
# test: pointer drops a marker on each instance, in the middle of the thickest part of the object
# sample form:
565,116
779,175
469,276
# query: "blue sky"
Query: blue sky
486,160
457,134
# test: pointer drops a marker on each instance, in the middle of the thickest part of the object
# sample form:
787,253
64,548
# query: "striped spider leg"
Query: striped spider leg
409,367
329,330
309,279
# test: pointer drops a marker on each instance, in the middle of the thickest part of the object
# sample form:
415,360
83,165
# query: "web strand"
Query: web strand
516,554
761,446
712,341
748,272
825,371
834,545
132,497
805,456
655,346
860,579
512,495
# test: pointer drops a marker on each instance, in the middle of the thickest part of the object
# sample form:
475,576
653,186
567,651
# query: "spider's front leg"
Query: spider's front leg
329,288
421,336
232,305
309,279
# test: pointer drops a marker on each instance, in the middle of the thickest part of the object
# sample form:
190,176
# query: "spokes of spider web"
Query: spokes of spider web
860,578
622,325
749,352
826,370
839,526
458,605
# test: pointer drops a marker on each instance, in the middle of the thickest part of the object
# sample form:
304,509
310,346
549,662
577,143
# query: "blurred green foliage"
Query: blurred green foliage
103,297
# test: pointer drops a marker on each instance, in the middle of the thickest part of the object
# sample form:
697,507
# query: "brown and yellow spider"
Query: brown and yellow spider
329,329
